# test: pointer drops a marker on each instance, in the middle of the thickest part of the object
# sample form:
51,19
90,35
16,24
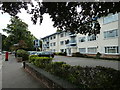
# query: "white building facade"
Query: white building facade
107,42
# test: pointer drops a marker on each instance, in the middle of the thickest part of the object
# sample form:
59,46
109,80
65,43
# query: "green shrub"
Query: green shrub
31,58
86,77
98,55
61,53
83,77
77,54
40,61
22,53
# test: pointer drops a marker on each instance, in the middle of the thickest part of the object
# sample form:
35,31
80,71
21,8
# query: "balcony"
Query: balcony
47,40
72,34
72,43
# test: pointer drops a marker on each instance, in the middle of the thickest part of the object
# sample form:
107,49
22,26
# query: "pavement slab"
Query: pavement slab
14,76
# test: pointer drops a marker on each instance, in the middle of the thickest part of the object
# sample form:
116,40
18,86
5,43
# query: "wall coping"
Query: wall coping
55,79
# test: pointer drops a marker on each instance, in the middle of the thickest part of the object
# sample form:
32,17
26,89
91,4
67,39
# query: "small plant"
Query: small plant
40,61
32,58
77,54
22,53
61,53
98,55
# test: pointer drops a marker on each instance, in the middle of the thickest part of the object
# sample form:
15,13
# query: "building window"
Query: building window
50,44
61,42
62,50
61,35
82,50
92,50
50,38
54,44
91,38
110,18
54,36
66,41
112,49
111,33
82,39
54,50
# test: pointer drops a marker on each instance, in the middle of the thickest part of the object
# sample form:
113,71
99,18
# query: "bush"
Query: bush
98,55
22,53
40,61
77,54
31,58
86,77
83,77
61,53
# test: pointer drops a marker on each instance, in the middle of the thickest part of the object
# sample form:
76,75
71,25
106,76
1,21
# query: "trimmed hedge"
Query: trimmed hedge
39,61
61,53
86,77
22,53
83,77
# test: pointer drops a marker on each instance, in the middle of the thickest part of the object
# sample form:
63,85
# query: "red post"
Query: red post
6,56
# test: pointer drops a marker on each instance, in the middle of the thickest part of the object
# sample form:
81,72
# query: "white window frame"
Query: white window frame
110,18
91,52
62,35
82,48
90,38
61,41
82,38
117,49
54,43
108,33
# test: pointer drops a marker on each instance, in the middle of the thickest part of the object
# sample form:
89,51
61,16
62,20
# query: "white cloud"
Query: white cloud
4,20
39,31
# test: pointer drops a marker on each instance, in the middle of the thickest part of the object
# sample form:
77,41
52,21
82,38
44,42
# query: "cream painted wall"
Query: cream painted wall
100,42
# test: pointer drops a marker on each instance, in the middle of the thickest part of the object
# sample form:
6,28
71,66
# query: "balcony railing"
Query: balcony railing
46,40
72,43
72,34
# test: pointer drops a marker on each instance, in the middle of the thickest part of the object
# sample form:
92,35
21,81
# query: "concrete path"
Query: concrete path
14,76
88,62
0,72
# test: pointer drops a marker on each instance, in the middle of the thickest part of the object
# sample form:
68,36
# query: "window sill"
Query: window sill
111,38
110,22
112,53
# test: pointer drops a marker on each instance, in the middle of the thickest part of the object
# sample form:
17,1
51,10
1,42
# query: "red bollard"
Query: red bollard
6,56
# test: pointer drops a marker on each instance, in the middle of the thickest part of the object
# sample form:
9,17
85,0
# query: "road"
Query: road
14,76
88,62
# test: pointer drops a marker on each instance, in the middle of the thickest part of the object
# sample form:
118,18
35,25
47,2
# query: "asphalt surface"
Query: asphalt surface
88,62
14,76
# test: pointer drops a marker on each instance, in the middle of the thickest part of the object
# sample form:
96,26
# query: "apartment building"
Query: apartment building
107,42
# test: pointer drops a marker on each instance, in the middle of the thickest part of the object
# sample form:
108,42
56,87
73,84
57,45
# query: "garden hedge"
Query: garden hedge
83,77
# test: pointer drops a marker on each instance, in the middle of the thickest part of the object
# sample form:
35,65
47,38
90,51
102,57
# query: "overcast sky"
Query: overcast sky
39,31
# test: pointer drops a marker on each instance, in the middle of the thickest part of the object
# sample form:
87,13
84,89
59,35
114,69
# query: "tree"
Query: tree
18,34
65,15
3,42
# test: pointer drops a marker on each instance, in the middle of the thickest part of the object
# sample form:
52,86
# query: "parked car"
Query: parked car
32,52
45,54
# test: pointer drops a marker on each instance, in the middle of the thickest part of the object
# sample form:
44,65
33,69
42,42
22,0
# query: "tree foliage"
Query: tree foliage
65,15
18,34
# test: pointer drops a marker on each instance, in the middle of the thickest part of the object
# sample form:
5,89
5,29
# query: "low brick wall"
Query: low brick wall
111,56
50,81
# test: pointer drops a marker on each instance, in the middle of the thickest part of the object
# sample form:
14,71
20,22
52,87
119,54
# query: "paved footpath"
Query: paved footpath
0,72
14,76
